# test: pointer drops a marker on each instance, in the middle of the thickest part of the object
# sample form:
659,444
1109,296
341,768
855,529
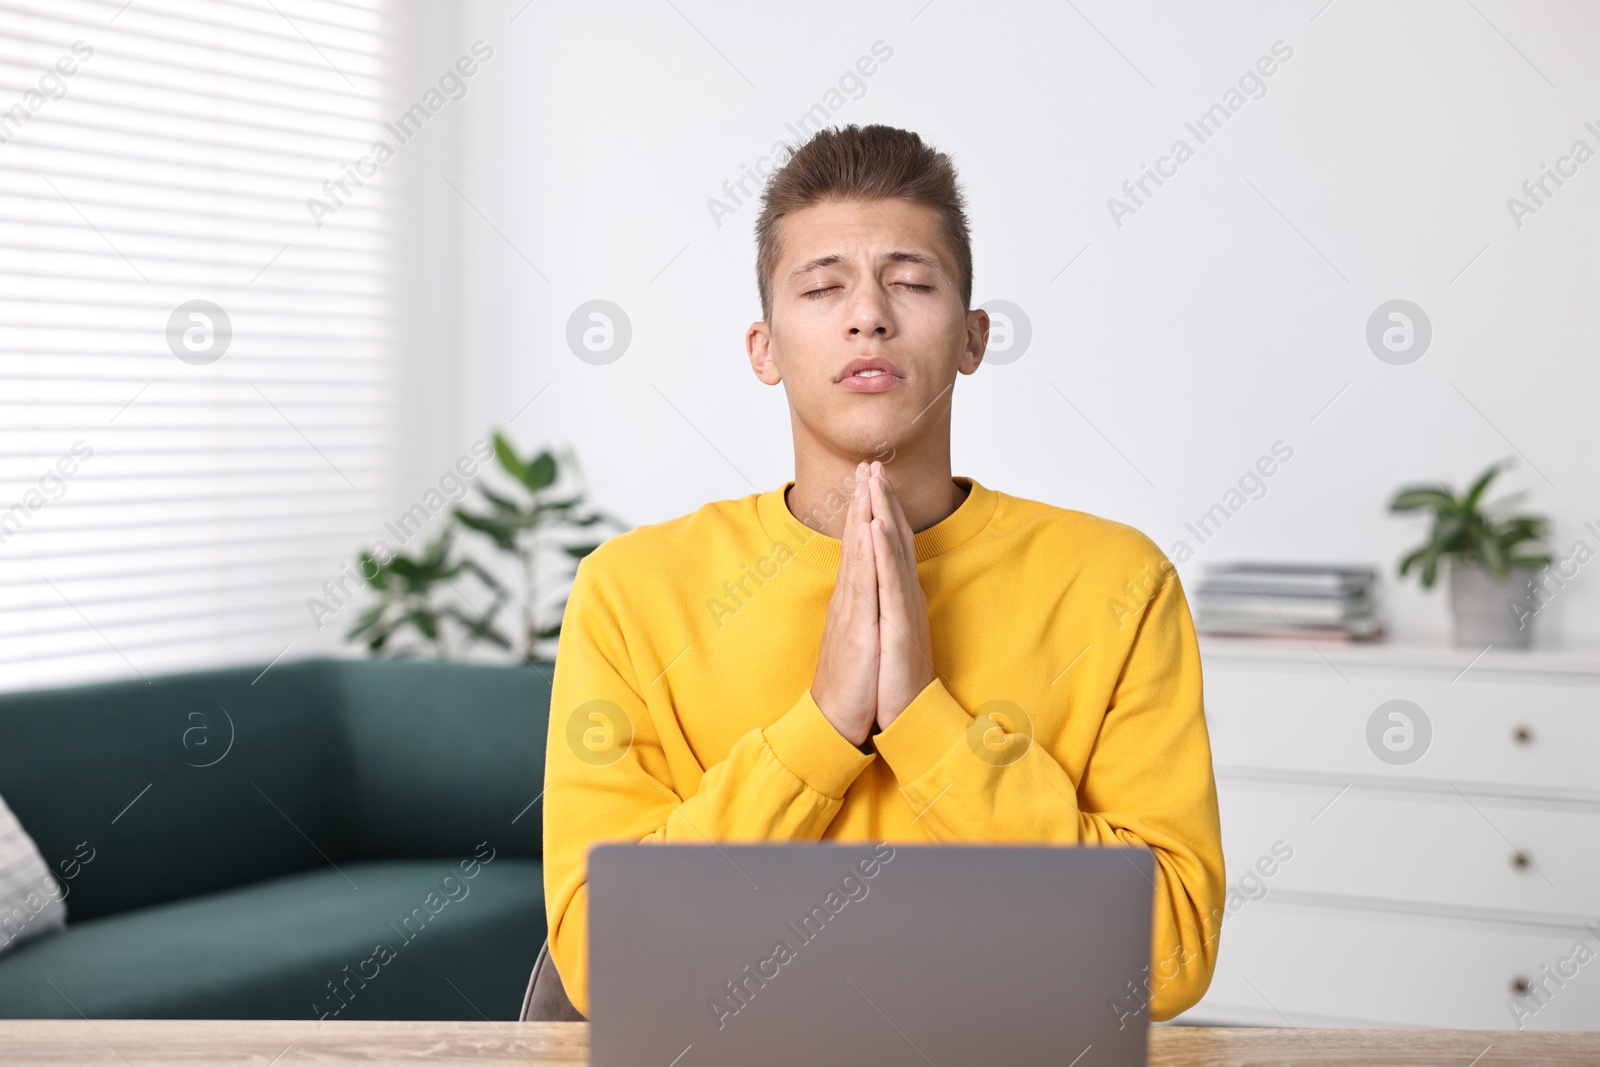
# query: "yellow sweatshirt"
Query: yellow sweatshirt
1067,708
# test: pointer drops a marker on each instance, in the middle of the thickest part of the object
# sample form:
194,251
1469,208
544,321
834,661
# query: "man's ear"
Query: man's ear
758,342
977,340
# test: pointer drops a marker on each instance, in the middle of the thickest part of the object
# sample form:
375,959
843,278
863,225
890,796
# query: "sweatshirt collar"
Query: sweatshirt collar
821,550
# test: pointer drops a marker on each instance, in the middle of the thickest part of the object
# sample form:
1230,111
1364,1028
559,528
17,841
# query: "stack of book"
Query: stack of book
1315,601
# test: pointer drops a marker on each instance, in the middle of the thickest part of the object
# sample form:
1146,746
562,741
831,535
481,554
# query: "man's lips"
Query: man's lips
882,374
877,383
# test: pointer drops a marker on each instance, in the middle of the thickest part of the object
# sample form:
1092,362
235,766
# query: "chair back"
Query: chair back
546,1000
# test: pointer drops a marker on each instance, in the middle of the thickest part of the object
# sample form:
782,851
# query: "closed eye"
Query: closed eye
913,286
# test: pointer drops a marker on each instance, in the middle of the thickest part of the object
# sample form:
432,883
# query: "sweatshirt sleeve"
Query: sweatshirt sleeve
1148,782
607,777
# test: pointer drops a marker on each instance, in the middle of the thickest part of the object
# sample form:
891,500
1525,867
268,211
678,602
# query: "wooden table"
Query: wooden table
288,1043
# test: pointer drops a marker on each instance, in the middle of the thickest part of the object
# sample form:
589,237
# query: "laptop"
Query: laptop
868,953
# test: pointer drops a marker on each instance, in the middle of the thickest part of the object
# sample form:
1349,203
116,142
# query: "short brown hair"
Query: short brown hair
863,163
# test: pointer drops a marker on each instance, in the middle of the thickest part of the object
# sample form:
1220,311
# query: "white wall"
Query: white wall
1221,317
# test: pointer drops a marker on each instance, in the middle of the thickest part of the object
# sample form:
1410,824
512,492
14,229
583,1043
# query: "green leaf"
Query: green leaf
480,628
1529,524
435,553
504,536
425,621
373,573
472,567
1470,501
467,566
531,520
509,460
502,504
1493,559
367,620
1500,504
1419,497
488,633
557,507
542,472
535,475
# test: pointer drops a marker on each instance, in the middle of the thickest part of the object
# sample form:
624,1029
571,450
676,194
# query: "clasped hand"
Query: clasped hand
877,648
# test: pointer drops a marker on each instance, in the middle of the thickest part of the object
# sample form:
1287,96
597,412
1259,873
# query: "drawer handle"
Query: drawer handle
1520,859
1520,986
1523,735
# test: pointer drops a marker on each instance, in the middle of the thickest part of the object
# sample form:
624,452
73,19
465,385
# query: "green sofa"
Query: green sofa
252,839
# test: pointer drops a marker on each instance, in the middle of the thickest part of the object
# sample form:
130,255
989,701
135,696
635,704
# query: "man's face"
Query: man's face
866,281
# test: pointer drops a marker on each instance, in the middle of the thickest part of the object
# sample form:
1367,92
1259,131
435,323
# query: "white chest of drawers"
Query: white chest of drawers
1439,863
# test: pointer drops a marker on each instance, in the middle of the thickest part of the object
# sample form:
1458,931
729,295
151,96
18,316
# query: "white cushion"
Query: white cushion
32,902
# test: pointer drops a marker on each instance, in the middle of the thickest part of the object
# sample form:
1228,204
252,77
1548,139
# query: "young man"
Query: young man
877,650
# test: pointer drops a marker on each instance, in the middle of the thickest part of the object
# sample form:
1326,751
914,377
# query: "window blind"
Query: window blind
196,378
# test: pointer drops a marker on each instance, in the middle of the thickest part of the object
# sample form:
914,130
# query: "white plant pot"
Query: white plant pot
1486,610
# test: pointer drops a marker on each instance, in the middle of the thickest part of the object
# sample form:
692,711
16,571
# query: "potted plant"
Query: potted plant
408,598
1490,555
539,523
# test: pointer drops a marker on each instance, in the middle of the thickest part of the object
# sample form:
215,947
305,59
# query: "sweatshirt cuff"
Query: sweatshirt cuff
814,751
923,733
